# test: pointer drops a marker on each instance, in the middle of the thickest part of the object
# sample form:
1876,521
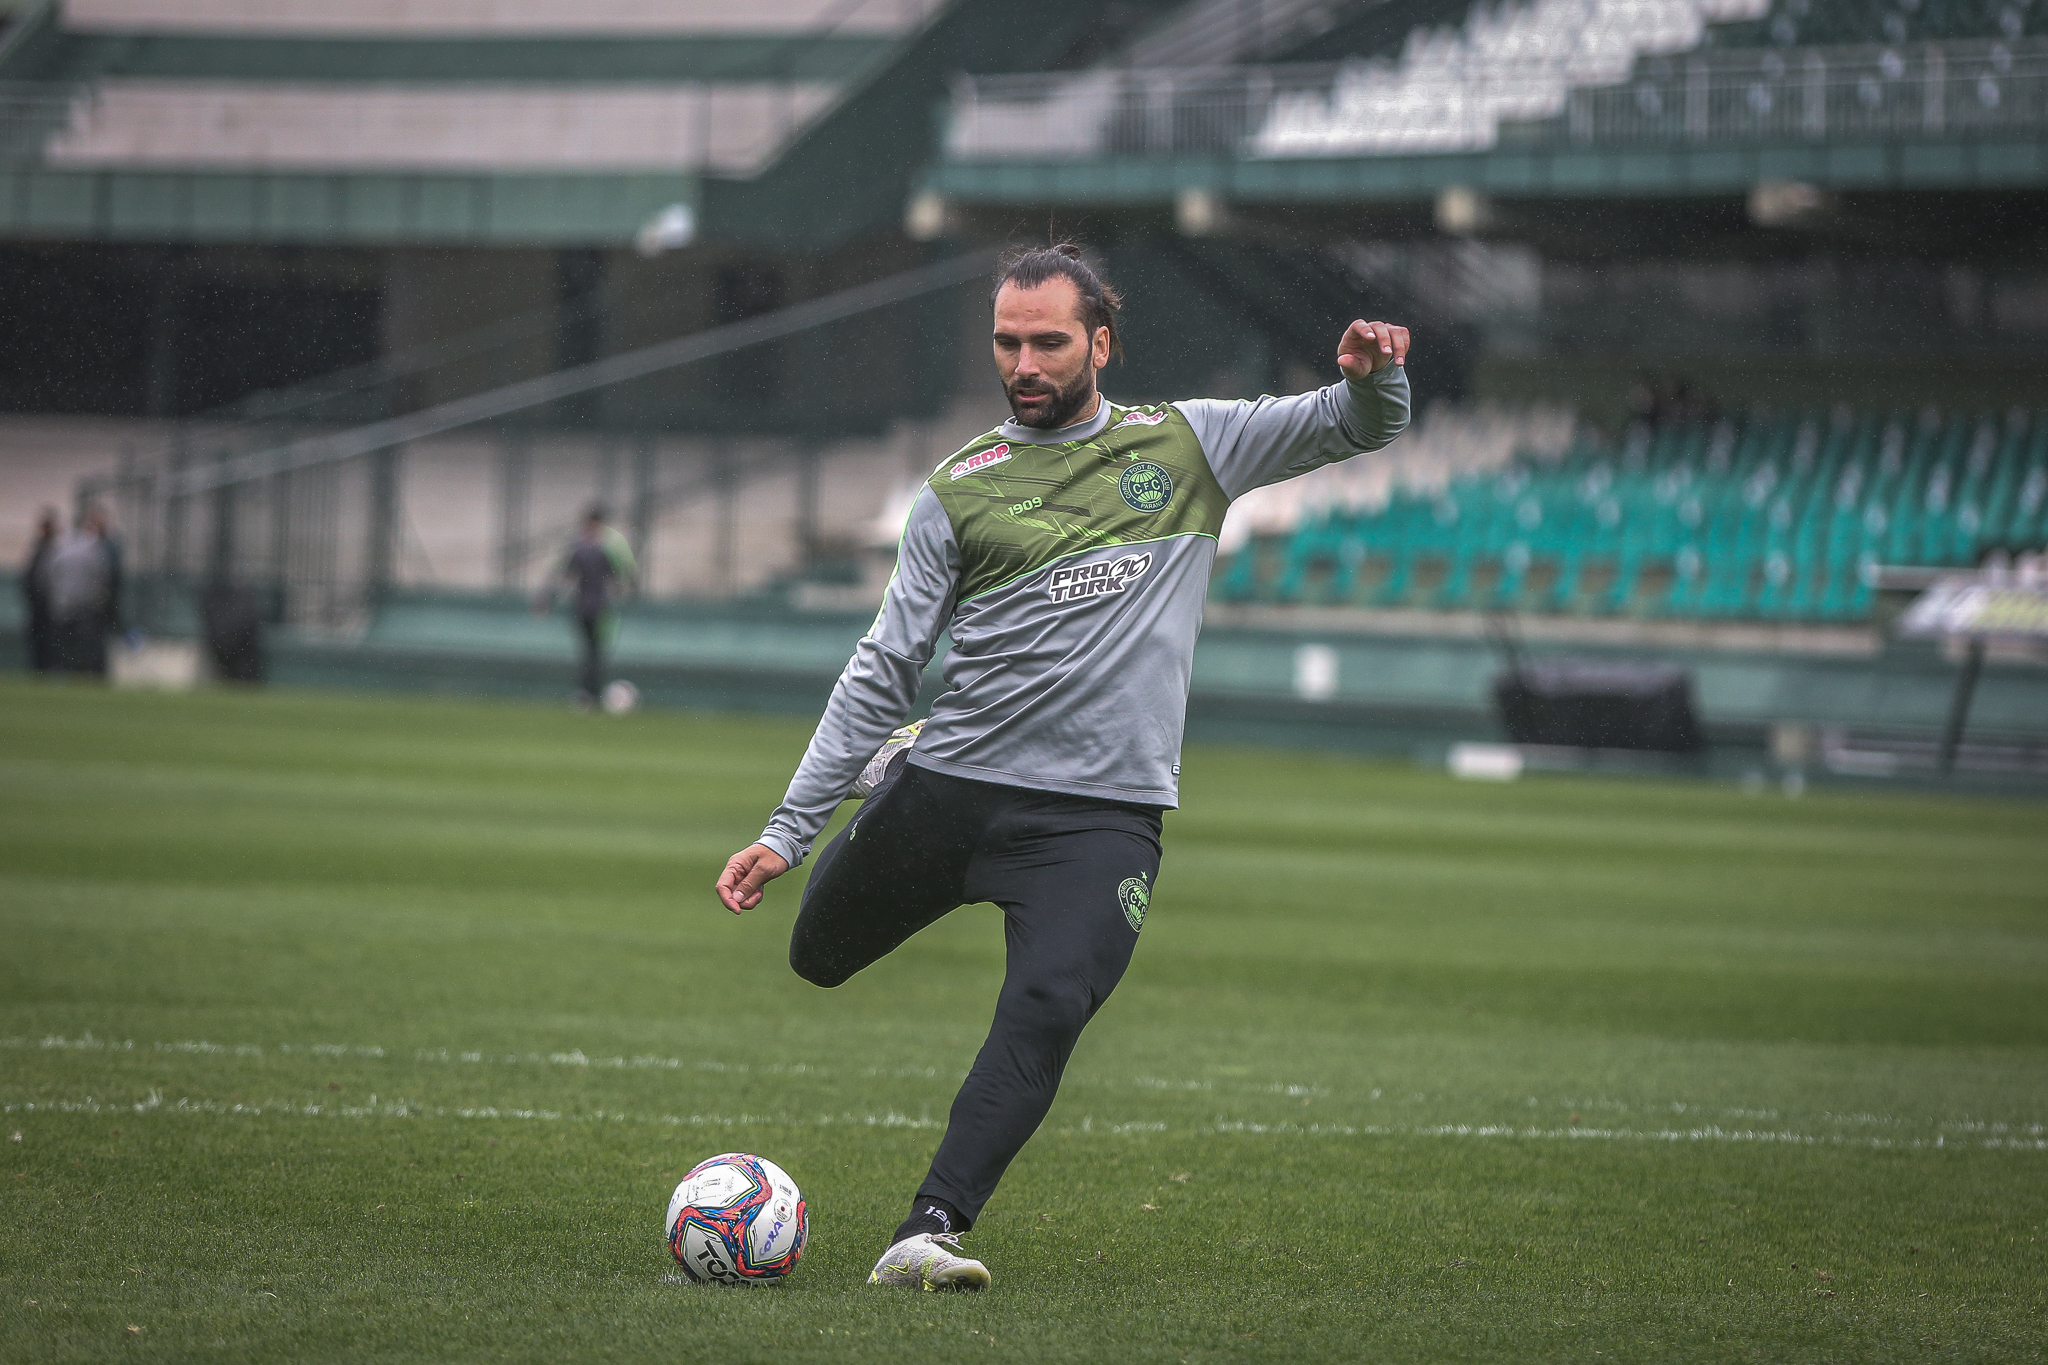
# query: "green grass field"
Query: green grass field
337,1027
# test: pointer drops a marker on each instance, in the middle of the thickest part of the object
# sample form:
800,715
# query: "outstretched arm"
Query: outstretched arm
873,697
1253,444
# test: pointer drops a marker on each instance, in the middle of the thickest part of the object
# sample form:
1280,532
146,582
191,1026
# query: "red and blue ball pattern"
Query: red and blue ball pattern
741,1221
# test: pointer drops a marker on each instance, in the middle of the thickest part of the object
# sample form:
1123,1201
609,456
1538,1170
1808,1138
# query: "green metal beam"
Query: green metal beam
851,172
204,206
1576,173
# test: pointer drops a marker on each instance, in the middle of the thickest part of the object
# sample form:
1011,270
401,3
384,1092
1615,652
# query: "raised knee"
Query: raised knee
815,969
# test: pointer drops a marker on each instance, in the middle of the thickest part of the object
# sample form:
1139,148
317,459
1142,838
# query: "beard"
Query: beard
1064,404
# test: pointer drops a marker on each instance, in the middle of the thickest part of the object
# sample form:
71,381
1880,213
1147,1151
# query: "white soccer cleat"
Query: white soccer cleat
928,1260
877,770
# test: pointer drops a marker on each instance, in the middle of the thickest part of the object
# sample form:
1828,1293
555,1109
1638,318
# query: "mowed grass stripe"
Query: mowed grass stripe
1405,1069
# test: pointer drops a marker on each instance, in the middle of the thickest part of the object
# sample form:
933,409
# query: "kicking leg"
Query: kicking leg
898,866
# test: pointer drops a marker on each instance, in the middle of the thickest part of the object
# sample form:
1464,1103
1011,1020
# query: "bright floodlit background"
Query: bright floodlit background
1605,916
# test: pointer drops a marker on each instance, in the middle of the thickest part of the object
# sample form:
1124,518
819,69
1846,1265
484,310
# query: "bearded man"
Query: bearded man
1067,553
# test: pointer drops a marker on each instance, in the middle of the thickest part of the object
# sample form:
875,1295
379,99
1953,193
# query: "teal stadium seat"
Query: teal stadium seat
1775,518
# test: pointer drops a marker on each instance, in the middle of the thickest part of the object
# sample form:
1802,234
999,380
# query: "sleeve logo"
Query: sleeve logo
1079,582
1142,419
993,455
1146,487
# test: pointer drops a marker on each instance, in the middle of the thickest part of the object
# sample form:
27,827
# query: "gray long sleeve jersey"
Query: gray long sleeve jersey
1070,568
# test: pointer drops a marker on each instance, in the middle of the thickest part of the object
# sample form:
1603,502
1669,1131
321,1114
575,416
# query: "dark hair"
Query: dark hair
1029,267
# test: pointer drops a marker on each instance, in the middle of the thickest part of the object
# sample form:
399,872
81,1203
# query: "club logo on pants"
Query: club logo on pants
1078,582
1135,897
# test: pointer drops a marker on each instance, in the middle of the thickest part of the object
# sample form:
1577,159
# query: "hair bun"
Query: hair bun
1069,250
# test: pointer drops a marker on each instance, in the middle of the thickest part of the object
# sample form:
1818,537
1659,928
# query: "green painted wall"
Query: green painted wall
206,206
557,59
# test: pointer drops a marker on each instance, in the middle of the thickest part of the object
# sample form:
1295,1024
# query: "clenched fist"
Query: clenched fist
1370,346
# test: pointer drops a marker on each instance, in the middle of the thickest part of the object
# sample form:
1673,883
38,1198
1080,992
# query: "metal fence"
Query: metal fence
1818,95
306,512
1952,89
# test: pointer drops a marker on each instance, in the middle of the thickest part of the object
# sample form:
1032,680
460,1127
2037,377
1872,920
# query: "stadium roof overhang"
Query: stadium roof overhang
1538,193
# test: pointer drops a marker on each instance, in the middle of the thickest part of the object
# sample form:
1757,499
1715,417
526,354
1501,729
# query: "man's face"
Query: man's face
1044,354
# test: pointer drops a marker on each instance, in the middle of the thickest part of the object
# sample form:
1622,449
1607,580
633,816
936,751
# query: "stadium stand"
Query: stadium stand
1568,72
1773,517
1452,88
1447,442
1811,22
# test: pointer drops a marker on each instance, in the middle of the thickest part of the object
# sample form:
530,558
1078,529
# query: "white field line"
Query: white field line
1705,1133
408,1109
1705,1126
577,1057
411,1109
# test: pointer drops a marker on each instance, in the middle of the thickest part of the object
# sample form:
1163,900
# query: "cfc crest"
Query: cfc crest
1146,487
1135,897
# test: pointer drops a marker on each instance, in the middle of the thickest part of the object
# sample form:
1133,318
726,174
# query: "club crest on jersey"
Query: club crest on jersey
1079,582
1141,419
993,455
1146,487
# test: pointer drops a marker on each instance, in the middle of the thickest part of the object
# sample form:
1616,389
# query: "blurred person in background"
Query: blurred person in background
1067,553
81,581
595,574
35,599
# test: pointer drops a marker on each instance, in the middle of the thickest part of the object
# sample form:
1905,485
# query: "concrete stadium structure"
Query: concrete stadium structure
229,228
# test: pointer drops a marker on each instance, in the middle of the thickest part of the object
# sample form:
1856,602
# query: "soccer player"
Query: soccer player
594,573
1067,553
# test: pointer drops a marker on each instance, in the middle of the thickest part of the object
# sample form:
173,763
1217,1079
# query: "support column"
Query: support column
379,556
279,569
220,559
174,507
515,476
642,517
722,472
807,478
1959,704
607,481
166,302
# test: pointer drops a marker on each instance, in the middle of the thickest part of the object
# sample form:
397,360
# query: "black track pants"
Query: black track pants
590,635
1073,877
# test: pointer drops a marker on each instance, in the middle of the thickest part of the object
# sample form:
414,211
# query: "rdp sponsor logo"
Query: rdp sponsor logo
1141,419
993,455
1079,582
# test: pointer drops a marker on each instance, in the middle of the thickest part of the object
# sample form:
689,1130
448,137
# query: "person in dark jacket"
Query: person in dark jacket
35,600
593,575
81,580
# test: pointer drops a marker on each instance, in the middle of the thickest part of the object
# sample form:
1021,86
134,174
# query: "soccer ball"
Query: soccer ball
619,697
737,1219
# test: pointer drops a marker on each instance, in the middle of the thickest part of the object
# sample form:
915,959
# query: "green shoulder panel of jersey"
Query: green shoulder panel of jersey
1016,508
